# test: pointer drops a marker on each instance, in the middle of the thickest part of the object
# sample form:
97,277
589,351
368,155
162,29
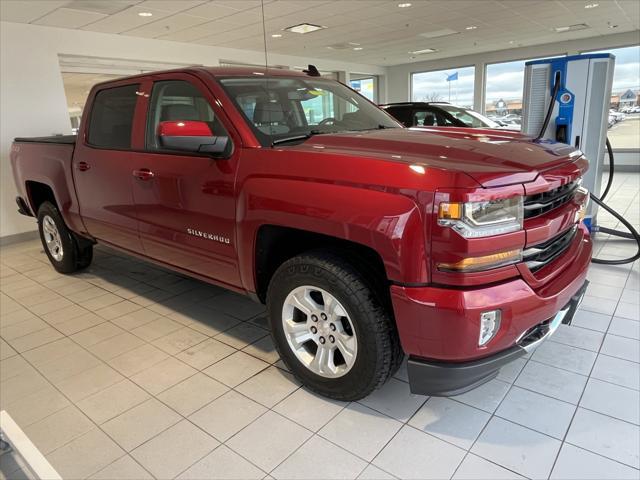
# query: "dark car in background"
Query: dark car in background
440,114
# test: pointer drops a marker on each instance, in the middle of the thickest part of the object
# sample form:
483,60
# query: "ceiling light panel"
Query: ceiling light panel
108,7
444,32
126,20
173,23
24,12
68,18
304,28
172,6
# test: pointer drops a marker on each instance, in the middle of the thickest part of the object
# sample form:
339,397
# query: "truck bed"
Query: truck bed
61,139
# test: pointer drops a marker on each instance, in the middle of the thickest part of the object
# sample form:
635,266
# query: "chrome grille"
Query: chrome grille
540,203
539,255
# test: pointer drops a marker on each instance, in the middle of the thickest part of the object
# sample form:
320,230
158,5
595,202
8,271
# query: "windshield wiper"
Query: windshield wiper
296,138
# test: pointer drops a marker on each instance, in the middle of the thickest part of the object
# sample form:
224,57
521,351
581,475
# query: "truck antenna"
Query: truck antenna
312,71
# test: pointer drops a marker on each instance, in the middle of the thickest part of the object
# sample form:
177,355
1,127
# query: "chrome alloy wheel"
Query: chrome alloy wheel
52,238
319,331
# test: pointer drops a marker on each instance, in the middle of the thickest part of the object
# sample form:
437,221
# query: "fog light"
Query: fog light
489,325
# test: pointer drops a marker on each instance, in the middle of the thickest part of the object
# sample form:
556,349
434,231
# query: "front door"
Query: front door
185,201
102,167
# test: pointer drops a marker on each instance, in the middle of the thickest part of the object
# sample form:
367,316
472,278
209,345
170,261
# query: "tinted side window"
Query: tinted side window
112,117
178,100
402,114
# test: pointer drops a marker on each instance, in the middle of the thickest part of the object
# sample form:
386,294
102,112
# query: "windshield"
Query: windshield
469,117
279,108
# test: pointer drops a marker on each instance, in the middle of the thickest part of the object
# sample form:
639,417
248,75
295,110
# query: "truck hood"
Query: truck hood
491,157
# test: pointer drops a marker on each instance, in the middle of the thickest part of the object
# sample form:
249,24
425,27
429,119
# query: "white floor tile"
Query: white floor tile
551,381
618,371
222,464
394,399
415,454
517,448
621,347
308,409
319,459
451,421
577,464
269,440
563,356
477,468
486,397
613,400
538,412
360,430
606,436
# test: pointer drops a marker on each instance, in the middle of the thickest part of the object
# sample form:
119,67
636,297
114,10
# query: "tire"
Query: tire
324,275
60,244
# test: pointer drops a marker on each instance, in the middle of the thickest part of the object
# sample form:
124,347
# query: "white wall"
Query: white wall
399,76
32,95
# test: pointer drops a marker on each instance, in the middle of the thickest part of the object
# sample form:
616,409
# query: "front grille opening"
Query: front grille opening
539,255
540,203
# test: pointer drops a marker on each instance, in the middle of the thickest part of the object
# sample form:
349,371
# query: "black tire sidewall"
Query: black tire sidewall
69,247
369,366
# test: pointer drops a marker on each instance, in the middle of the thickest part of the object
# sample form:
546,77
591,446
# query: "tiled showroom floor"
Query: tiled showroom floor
128,371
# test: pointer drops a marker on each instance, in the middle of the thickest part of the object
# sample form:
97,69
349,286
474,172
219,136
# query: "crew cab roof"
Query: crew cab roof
412,104
218,72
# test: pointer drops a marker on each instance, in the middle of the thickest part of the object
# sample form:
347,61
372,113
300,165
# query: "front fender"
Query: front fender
389,223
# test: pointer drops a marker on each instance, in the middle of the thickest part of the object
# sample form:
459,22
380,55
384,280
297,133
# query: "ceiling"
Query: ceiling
376,32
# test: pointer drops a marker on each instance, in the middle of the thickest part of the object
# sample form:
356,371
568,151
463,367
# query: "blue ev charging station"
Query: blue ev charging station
578,88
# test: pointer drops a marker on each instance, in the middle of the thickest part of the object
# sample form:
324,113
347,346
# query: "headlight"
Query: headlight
482,219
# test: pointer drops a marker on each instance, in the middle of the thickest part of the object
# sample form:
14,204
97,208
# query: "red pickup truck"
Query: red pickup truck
461,248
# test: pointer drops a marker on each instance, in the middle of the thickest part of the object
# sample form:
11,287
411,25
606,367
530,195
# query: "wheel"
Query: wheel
330,327
60,244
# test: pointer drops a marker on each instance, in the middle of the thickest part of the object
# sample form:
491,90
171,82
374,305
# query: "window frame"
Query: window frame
88,113
201,87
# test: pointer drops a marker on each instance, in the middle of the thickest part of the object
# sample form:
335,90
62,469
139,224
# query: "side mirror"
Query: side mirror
191,136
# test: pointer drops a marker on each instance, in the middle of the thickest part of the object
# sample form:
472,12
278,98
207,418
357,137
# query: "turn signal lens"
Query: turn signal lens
475,264
450,211
483,219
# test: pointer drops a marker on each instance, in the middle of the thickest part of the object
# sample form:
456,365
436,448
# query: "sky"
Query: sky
505,80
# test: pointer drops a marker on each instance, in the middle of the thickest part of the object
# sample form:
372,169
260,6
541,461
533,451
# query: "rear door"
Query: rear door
186,202
102,166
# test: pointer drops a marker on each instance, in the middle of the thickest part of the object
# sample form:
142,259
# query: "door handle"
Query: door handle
83,166
143,174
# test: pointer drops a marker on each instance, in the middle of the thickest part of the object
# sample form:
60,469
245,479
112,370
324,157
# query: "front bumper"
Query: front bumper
439,326
447,379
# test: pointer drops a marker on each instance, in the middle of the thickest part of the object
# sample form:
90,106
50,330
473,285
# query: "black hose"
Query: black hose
617,233
634,234
552,103
611,169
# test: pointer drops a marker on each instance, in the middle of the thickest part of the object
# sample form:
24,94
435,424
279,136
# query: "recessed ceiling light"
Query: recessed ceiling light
591,5
358,48
304,28
404,5
444,32
424,50
145,14
276,35
471,27
571,28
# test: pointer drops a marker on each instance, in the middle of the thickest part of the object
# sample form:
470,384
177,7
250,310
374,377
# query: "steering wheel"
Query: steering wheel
327,120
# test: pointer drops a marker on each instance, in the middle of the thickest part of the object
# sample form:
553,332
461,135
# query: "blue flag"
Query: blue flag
453,76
